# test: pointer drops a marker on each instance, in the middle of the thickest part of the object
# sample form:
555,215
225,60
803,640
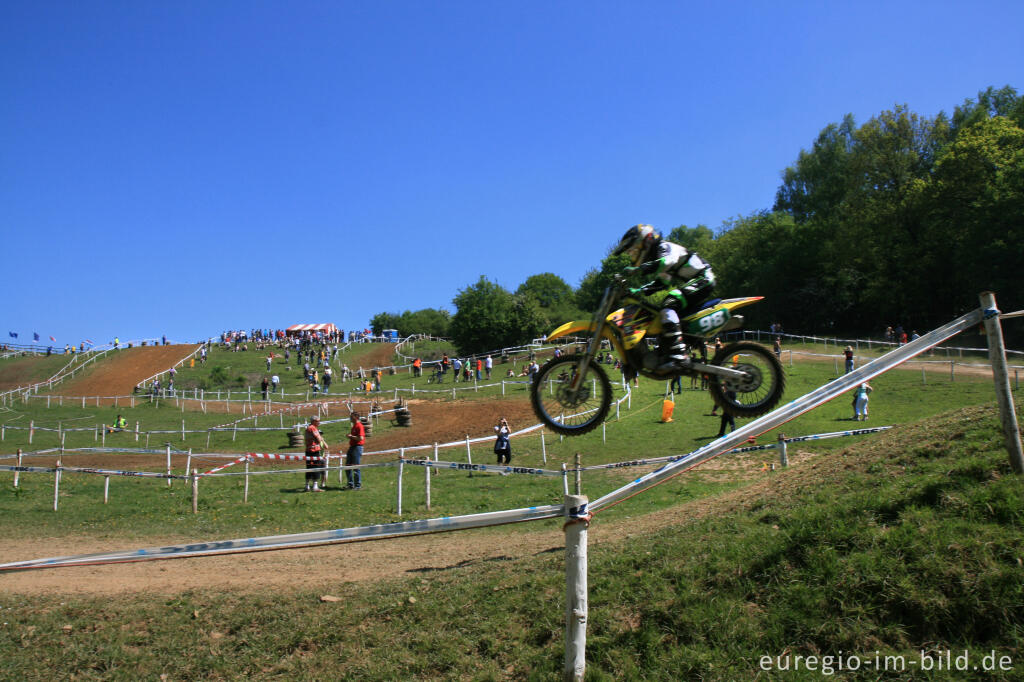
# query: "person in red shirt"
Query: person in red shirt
314,458
356,440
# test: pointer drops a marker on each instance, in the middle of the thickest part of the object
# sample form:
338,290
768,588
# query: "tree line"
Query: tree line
901,220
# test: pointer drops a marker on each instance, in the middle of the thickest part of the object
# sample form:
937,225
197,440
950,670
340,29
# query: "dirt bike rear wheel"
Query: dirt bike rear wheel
763,386
565,410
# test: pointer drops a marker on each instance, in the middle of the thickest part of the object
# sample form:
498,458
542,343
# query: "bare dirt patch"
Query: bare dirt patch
130,366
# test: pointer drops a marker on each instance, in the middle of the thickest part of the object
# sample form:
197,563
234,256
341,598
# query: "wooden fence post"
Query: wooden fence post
1000,375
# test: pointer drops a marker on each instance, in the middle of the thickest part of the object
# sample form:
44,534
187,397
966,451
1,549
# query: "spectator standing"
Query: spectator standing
265,386
778,348
376,379
314,459
502,446
356,440
328,377
848,354
456,368
274,381
444,363
479,368
727,419
489,365
417,367
269,359
860,402
532,370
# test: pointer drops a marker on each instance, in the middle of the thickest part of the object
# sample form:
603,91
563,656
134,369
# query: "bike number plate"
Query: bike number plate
709,321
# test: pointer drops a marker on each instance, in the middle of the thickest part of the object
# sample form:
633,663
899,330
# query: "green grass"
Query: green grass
908,541
141,509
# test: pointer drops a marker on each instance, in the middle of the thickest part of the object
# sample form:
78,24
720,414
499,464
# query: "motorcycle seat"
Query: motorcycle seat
708,304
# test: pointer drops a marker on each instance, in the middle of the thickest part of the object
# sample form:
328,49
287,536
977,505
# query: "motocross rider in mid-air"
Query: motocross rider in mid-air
673,265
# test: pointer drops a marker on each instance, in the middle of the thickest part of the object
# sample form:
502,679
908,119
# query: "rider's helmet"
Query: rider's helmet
638,241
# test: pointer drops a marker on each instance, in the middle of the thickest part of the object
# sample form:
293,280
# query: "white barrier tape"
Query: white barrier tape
838,434
273,472
388,530
225,466
734,451
260,455
791,410
33,453
80,470
489,468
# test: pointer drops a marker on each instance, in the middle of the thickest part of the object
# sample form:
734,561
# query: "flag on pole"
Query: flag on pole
52,339
89,341
13,335
35,336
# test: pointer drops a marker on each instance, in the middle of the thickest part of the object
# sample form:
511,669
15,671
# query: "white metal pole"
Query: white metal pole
168,464
245,494
576,606
543,448
56,485
401,468
426,470
783,455
106,489
195,491
17,474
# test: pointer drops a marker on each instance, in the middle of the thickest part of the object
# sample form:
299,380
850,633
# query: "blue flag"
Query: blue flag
14,335
35,337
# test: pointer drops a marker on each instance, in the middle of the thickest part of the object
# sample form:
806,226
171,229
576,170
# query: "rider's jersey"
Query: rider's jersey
676,264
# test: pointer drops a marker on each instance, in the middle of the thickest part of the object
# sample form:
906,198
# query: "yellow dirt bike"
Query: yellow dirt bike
571,394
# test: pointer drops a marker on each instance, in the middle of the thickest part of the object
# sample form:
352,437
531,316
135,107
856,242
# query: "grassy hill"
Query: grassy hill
905,543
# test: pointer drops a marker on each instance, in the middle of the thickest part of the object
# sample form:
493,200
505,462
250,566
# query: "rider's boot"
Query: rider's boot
671,349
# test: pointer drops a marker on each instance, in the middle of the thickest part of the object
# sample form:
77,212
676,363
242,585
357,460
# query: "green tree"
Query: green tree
382,321
596,280
975,203
693,238
816,187
549,289
427,321
488,317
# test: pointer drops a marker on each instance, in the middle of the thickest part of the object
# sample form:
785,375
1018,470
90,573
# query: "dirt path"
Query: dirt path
130,366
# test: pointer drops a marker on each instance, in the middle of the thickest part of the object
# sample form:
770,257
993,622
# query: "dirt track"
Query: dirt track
132,366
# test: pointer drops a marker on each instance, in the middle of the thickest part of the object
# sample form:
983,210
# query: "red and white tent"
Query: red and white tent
297,329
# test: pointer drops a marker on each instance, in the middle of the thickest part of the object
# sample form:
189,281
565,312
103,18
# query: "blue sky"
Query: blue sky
183,168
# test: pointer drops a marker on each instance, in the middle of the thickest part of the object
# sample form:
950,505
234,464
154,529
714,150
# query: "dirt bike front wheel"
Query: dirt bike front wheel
761,387
563,408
